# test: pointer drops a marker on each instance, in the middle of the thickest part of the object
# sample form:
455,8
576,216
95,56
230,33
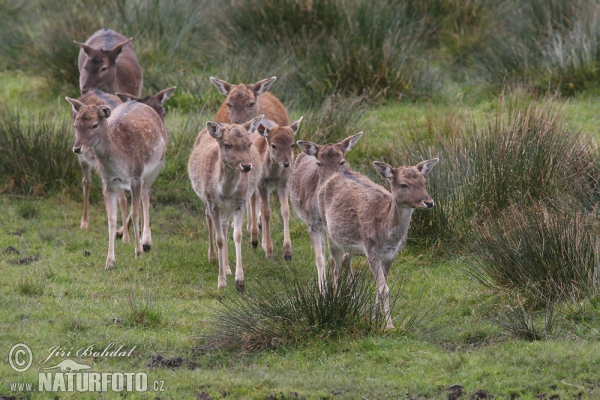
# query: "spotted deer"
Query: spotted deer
224,169
247,101
363,218
107,62
312,168
129,143
275,145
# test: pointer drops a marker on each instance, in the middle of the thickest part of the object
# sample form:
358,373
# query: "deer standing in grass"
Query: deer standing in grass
129,143
363,218
107,62
312,168
275,145
224,170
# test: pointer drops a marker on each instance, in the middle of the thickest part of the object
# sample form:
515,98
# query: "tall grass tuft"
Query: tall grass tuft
295,312
35,152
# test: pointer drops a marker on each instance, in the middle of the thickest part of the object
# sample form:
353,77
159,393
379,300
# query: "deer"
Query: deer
363,218
312,168
275,145
129,144
247,101
107,62
224,169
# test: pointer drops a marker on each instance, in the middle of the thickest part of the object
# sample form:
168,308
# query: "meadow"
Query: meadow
497,292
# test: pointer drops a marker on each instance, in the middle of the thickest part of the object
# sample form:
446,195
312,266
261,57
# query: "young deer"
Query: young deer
312,168
275,145
224,170
107,62
245,102
129,143
362,218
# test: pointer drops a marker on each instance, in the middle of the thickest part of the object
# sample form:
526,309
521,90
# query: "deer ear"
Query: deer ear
221,86
253,124
296,125
125,97
104,112
309,148
164,95
119,48
87,49
264,85
425,166
384,170
75,104
214,129
263,129
348,143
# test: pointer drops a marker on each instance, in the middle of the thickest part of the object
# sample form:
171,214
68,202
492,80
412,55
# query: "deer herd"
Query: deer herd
237,160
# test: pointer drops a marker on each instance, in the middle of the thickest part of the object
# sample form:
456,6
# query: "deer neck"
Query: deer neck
228,179
397,220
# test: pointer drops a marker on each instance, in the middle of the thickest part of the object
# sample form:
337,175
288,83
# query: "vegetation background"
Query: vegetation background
496,294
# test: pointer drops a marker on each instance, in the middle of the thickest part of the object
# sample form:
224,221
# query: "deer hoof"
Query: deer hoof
255,244
239,286
288,257
146,248
119,234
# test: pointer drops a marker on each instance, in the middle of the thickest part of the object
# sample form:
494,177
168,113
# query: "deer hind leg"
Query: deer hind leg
126,219
238,221
110,201
136,194
87,184
335,268
285,216
383,291
267,245
253,219
146,233
318,246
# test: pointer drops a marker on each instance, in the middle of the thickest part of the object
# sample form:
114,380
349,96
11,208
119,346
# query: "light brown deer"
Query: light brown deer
312,168
245,102
224,170
275,145
363,218
129,143
107,62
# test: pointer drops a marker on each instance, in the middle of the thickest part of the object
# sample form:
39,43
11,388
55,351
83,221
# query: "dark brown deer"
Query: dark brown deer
107,62
245,102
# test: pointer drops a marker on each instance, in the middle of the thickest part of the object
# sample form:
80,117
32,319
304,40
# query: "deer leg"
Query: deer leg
238,221
267,245
336,253
215,215
87,184
125,219
253,220
225,221
136,194
317,244
347,266
285,216
212,253
383,291
110,201
146,233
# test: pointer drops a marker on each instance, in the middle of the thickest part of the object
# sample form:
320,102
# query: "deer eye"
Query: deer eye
319,163
273,147
403,186
228,105
95,125
103,69
292,147
342,162
251,105
227,147
250,145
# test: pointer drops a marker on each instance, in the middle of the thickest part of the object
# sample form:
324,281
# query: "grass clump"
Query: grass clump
35,152
141,312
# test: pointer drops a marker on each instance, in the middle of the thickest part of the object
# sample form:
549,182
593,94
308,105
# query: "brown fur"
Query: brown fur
129,144
224,170
362,218
155,102
311,169
249,101
107,62
275,144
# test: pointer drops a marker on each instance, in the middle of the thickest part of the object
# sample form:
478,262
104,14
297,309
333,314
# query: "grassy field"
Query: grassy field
496,294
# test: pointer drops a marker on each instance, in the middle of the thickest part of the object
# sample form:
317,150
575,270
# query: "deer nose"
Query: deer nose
246,168
77,149
428,204
286,164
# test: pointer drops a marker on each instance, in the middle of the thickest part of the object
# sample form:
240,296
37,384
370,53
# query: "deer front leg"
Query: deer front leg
87,184
317,244
285,216
215,216
225,222
383,291
110,201
267,245
146,233
136,194
253,219
212,253
238,221
125,219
